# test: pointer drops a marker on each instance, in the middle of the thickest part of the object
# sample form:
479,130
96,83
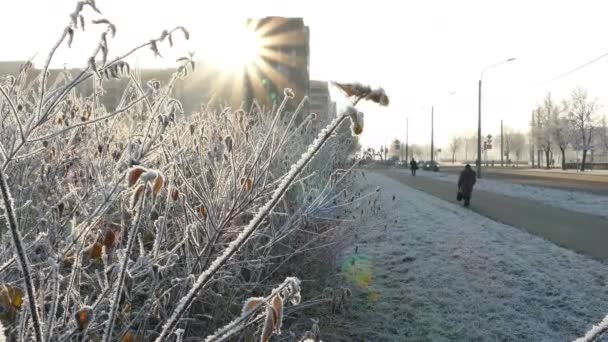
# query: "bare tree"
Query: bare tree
582,116
517,144
604,133
546,115
514,142
562,132
507,147
455,146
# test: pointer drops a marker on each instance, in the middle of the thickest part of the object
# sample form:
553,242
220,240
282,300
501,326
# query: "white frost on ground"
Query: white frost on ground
440,272
571,200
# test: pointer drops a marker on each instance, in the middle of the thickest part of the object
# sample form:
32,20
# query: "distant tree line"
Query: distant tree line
572,124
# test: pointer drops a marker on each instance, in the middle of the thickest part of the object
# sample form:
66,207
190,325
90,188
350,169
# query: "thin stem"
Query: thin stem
80,124
46,68
14,110
123,269
22,257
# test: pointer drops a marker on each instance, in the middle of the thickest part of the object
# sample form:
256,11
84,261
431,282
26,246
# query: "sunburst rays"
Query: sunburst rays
271,54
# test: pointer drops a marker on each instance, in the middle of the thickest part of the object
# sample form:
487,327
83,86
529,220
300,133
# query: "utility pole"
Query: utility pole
479,115
479,131
407,133
532,137
502,152
432,134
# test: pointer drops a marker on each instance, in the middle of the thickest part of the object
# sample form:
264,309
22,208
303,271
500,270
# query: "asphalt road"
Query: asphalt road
581,233
591,183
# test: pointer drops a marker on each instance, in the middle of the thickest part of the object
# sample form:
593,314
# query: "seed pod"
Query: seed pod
288,93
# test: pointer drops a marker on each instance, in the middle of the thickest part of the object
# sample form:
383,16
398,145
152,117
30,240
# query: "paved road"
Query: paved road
582,233
591,183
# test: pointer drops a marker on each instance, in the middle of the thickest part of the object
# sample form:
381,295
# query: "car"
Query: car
431,166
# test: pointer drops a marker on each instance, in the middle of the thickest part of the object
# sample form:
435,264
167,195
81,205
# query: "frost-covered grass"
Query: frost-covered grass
440,272
582,202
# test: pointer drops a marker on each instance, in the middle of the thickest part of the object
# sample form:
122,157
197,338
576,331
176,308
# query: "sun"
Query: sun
238,49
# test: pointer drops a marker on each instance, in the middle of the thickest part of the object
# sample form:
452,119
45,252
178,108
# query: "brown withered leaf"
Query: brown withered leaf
269,324
247,184
134,174
277,306
84,317
95,251
251,304
353,89
175,194
159,181
109,237
202,211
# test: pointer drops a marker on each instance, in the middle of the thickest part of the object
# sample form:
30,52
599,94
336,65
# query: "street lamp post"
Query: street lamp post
502,150
407,133
479,114
432,134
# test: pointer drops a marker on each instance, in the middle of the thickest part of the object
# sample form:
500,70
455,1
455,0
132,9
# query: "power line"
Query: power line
576,69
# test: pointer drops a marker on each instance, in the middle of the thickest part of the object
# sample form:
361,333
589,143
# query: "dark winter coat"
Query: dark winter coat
413,165
467,179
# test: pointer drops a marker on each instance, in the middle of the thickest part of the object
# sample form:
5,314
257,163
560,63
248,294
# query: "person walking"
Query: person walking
466,181
413,167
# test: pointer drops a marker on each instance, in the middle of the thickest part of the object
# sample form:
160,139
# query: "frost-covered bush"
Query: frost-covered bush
146,223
